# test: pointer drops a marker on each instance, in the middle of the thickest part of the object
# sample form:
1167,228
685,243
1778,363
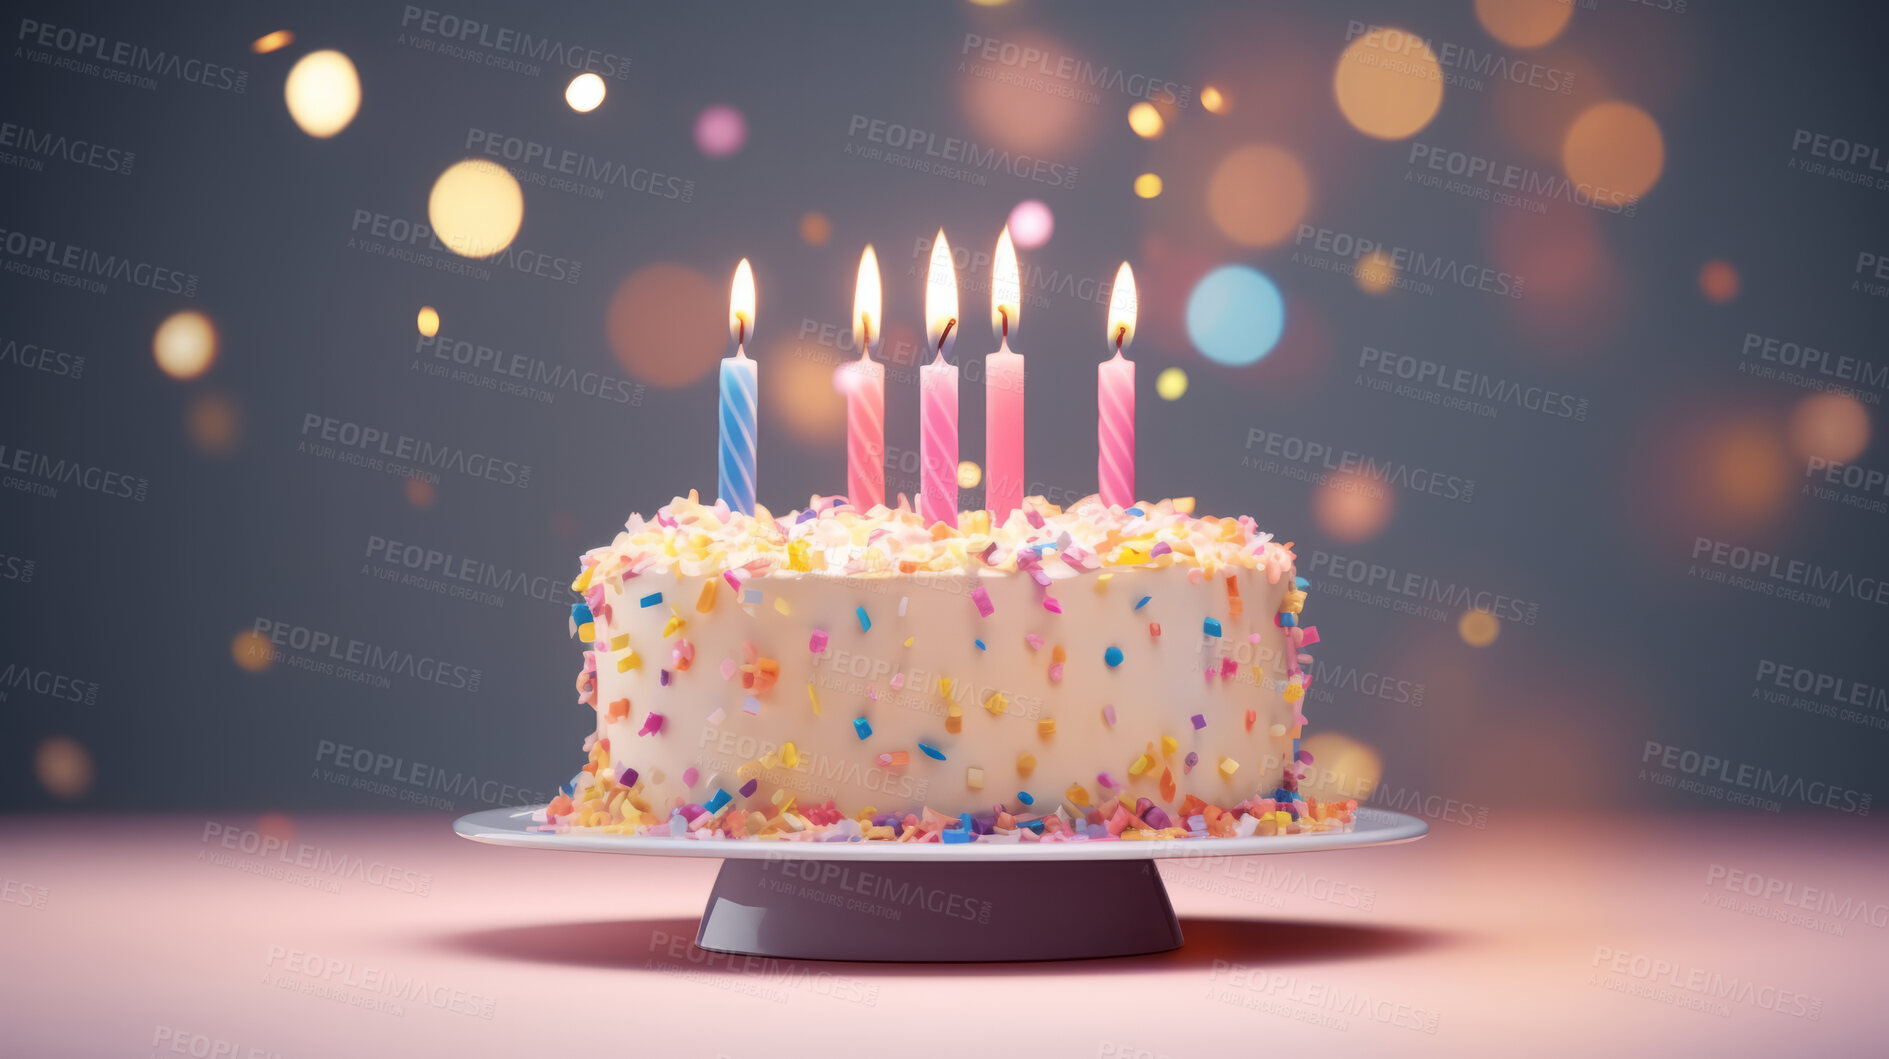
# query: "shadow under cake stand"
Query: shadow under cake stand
932,902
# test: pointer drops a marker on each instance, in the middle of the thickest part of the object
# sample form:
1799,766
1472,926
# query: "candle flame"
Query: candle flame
1121,309
1006,288
866,301
941,297
741,305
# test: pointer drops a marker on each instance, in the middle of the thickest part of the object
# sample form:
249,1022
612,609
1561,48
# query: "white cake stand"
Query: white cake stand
930,902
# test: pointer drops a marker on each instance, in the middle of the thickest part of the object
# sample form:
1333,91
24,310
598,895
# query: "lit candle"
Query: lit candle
864,382
1003,390
938,394
739,388
1115,394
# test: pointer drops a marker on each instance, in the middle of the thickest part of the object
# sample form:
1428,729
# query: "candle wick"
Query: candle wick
741,330
1121,332
946,333
865,327
1005,314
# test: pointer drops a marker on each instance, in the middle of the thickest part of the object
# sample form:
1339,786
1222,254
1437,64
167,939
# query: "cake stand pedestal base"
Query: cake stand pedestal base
938,911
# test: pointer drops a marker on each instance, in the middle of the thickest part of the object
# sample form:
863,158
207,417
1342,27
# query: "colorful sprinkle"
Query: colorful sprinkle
752,597
651,600
862,727
706,601
690,775
980,645
814,698
1170,745
1103,779
902,602
1034,641
1050,604
1026,763
652,724
1199,720
865,622
1108,716
1142,602
895,758
1025,798
750,705
748,788
974,778
1228,767
996,704
931,752
1211,626
817,642
981,597
629,661
1113,656
718,801
728,668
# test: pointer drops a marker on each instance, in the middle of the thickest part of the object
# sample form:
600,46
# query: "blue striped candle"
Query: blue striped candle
739,388
738,391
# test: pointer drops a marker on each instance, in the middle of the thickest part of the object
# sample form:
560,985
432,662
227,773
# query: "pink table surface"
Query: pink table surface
367,935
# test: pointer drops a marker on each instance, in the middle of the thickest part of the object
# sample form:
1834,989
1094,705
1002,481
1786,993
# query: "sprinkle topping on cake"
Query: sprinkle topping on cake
830,536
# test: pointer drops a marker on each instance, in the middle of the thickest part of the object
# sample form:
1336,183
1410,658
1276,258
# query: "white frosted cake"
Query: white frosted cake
832,674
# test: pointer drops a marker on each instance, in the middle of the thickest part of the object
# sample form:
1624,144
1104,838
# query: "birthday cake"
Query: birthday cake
1080,674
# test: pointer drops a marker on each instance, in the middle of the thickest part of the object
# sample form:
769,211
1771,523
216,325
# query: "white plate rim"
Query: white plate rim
507,827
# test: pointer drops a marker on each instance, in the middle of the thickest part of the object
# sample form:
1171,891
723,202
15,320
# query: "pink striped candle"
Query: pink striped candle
1003,390
938,394
938,421
864,384
1115,398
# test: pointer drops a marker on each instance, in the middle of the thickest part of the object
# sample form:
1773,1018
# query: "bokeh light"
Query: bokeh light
63,766
1146,121
250,651
323,92
1341,768
1258,194
420,493
1008,106
800,391
815,229
428,321
1171,384
1478,628
969,475
214,423
1350,507
1718,281
1524,23
1376,273
1031,224
1235,315
1614,147
1830,426
185,344
720,131
1148,185
585,93
269,42
1388,84
476,208
665,324
1214,101
277,826
1747,469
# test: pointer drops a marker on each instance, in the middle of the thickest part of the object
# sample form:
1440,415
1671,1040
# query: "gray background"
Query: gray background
1593,521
